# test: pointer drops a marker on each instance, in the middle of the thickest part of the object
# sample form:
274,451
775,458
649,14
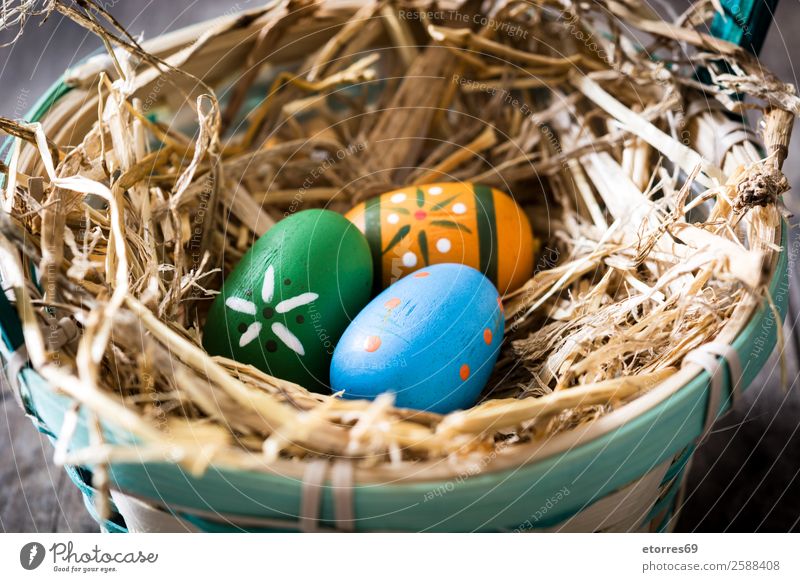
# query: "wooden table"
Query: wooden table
744,478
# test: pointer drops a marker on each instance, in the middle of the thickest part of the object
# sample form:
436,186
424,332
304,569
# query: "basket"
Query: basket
622,472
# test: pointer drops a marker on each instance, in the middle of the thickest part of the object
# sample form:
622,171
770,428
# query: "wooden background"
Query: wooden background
744,478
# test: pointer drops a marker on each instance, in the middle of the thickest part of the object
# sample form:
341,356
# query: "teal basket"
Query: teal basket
601,482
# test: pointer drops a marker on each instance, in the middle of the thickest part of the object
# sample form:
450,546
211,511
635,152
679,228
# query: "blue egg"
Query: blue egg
432,339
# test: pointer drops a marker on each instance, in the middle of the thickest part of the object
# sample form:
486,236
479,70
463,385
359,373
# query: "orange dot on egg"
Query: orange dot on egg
464,372
421,274
487,335
372,343
392,303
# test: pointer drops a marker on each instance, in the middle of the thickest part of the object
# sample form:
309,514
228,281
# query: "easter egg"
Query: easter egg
449,222
285,305
432,339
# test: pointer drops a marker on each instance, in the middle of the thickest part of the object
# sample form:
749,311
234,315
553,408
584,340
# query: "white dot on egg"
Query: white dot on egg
409,259
443,245
398,198
392,218
434,190
459,208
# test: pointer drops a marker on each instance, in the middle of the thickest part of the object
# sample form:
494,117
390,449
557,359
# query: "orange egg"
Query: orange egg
448,222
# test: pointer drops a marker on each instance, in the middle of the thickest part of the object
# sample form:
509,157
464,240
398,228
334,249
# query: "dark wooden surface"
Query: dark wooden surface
744,477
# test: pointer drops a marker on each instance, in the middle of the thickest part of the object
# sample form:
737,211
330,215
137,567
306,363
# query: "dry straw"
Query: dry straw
660,218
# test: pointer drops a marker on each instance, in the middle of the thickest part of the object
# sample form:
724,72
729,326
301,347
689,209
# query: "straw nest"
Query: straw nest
657,224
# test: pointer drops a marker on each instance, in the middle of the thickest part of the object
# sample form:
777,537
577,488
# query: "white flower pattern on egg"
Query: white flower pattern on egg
282,332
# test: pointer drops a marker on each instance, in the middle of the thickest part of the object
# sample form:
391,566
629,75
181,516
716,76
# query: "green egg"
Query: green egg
285,305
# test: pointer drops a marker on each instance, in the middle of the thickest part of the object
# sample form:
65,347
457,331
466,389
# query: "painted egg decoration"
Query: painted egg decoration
285,305
432,339
448,222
